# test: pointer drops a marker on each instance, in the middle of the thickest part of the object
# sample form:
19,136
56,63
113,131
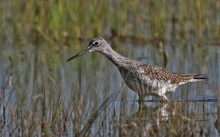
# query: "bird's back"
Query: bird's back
140,77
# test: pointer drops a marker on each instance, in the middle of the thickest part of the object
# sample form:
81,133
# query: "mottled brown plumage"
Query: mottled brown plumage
142,78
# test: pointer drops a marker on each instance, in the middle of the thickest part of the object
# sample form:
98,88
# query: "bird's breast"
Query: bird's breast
136,82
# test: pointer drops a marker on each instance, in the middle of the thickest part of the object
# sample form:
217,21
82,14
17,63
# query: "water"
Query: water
41,93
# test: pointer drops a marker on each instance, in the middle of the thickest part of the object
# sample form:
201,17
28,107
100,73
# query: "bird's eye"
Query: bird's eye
96,43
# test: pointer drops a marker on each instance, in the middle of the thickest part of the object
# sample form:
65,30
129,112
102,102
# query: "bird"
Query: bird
145,79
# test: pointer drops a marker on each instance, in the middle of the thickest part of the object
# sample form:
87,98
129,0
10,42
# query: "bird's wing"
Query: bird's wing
158,73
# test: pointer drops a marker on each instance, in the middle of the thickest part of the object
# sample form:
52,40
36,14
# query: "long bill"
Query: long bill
79,54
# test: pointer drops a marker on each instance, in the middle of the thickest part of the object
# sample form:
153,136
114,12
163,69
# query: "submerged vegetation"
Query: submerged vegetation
41,95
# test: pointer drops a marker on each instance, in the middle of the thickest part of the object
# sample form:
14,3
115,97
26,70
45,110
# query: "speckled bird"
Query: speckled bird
144,79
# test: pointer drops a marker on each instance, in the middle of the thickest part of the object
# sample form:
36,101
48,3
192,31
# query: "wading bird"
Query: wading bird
144,79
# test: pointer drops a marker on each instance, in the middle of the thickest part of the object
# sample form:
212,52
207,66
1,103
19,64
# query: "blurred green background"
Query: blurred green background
61,21
42,95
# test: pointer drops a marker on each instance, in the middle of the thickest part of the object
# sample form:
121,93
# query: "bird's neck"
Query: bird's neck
115,57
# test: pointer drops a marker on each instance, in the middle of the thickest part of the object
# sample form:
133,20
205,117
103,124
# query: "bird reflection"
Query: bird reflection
151,116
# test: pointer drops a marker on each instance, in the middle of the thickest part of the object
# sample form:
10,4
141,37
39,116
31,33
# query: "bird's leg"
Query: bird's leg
165,99
141,100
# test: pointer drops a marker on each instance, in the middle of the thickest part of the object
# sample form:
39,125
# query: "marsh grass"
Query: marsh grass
86,97
63,21
42,95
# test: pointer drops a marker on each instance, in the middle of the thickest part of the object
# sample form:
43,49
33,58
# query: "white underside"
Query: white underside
147,86
150,87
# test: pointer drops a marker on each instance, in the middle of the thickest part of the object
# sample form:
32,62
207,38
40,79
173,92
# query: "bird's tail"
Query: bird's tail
199,77
192,77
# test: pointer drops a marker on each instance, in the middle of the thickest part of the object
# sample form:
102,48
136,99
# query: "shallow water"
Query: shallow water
37,86
43,95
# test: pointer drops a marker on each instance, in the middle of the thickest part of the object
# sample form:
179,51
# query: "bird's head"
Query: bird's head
97,44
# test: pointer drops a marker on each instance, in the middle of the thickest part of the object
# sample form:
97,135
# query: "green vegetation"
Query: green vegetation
42,95
64,20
